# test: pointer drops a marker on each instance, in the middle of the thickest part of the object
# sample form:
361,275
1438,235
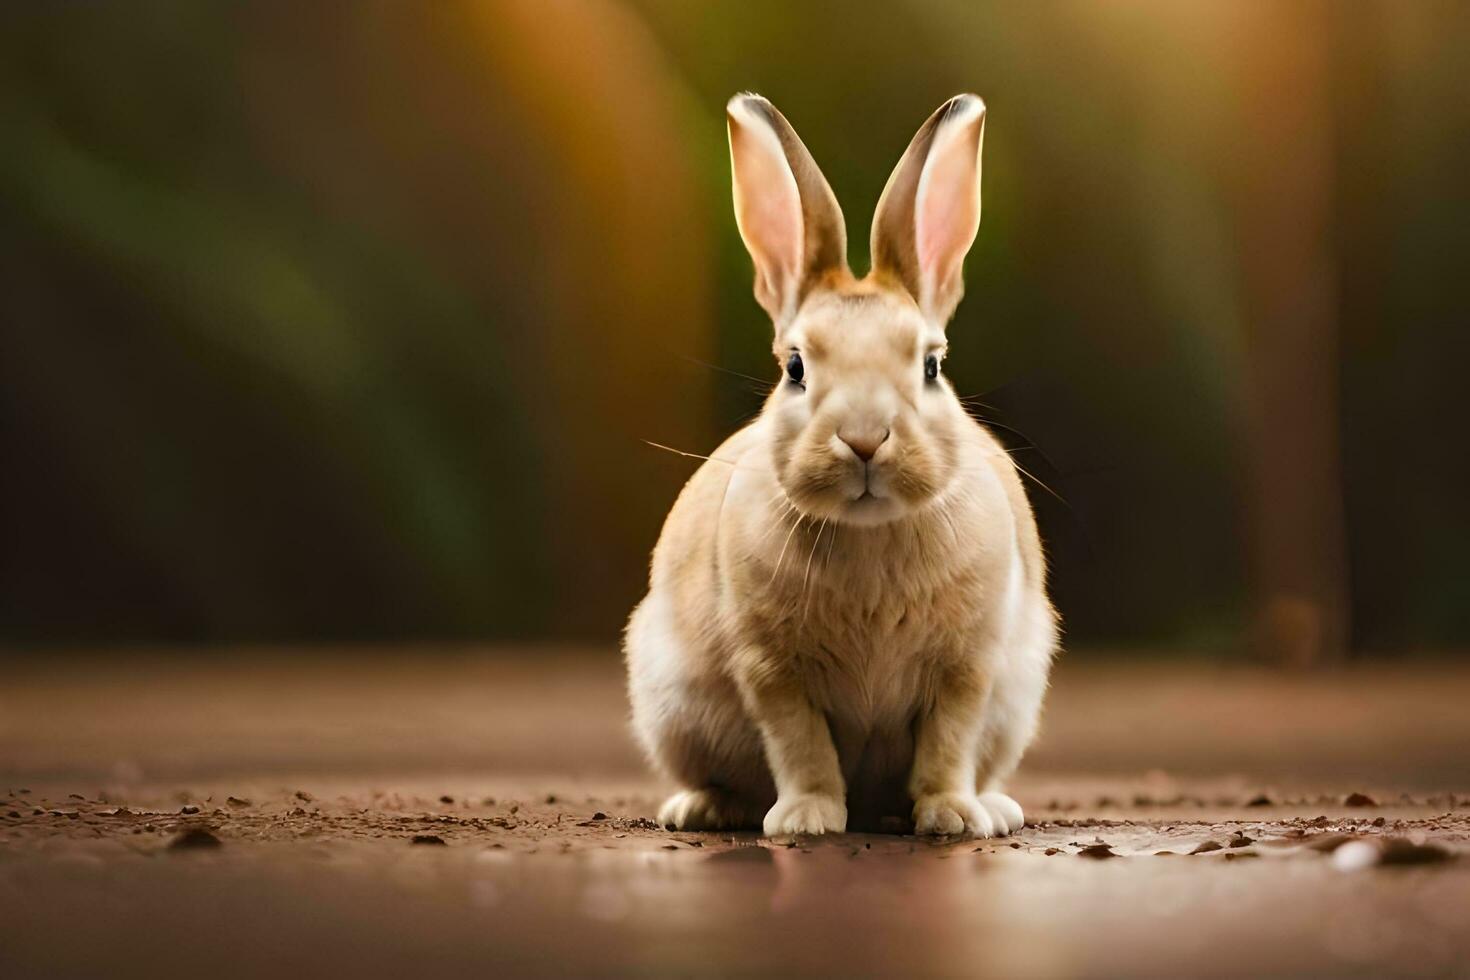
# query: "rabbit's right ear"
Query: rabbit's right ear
930,211
786,211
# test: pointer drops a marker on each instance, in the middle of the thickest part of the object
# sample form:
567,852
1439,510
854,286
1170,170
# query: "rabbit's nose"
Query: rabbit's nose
864,443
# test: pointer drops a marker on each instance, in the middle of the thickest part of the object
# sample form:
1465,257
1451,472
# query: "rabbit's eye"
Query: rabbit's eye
794,368
931,367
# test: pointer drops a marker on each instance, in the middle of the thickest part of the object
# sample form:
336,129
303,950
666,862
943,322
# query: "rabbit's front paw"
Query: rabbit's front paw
808,813
952,813
1005,813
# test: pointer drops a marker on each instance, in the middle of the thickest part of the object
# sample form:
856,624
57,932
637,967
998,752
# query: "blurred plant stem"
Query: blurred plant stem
1283,200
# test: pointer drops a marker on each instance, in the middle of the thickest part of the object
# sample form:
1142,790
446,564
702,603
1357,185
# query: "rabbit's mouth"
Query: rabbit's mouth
825,479
870,486
876,482
869,508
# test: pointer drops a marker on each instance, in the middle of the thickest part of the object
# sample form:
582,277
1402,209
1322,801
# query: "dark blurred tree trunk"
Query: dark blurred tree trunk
1283,189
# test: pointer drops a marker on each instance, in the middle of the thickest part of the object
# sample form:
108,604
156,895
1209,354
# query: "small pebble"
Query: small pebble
1355,856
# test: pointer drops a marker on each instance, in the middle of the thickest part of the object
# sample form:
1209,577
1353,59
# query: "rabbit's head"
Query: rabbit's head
865,426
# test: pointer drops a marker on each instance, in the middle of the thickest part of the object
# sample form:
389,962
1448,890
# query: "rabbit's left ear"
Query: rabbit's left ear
930,209
787,213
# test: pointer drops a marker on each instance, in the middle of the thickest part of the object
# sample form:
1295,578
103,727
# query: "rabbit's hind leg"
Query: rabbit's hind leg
710,808
715,753
1012,716
691,722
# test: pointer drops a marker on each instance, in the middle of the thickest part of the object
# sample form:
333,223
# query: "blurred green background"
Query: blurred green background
346,321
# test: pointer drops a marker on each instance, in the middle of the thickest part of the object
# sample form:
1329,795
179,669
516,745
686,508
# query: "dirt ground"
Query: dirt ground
425,813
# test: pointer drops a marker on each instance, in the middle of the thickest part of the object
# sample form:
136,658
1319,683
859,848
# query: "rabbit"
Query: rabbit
847,622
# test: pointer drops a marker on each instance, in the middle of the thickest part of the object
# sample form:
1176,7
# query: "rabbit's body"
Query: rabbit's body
874,616
846,623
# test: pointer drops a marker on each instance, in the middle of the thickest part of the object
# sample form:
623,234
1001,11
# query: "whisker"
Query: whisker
780,520
1039,482
680,452
733,464
767,385
807,597
1024,472
1030,446
999,425
782,556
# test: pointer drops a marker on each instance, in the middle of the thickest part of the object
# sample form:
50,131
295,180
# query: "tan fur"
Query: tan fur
825,643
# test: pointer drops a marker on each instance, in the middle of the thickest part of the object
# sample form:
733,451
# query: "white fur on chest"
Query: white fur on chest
873,647
872,616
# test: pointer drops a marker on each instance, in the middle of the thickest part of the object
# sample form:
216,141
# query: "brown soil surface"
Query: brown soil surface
432,813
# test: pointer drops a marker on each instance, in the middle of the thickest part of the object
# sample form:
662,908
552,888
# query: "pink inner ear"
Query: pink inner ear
947,214
767,206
